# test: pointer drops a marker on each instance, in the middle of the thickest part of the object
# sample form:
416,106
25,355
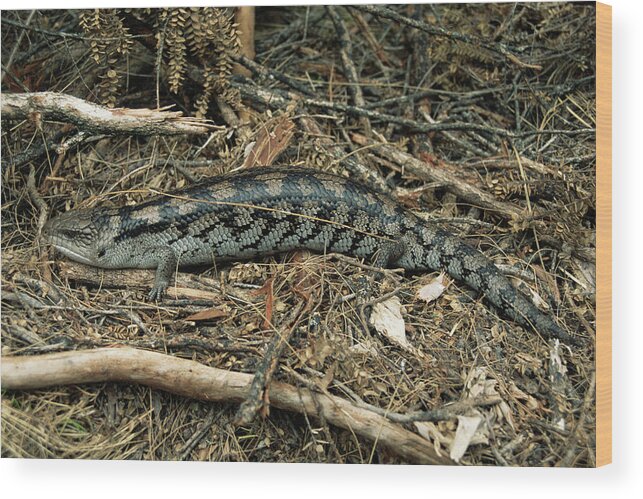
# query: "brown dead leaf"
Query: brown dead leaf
204,315
272,140
266,290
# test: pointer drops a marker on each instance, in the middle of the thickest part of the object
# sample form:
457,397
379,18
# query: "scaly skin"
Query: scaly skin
264,211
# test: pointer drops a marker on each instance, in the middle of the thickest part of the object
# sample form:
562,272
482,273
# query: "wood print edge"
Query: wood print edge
603,234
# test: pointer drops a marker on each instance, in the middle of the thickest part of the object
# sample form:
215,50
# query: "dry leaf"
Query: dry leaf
557,367
586,275
467,427
204,315
432,290
538,300
248,149
505,411
272,140
267,291
430,432
387,320
364,348
531,402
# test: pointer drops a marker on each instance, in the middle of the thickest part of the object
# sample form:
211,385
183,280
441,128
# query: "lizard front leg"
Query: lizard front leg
165,261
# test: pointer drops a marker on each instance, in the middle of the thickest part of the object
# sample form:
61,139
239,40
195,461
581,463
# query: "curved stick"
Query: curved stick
194,380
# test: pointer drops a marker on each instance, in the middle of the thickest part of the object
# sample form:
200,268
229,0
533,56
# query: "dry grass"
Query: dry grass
462,348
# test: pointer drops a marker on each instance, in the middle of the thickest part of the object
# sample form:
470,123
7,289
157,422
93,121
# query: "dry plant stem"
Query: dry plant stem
191,379
570,444
245,18
42,288
297,28
393,273
90,117
258,394
22,334
34,152
198,435
276,99
43,210
375,46
268,73
461,188
346,54
351,164
553,90
16,46
36,198
445,413
586,254
494,47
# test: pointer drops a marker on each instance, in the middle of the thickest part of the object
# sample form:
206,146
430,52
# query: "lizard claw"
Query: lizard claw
157,291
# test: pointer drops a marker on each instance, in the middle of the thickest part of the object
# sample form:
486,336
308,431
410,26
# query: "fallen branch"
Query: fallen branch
186,285
93,118
191,379
426,171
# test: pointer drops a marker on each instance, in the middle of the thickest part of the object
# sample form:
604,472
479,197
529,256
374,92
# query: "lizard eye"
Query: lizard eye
101,253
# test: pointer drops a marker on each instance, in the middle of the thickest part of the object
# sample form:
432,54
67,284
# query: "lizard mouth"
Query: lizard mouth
71,253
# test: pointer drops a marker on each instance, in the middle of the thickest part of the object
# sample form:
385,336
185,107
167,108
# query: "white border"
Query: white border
69,479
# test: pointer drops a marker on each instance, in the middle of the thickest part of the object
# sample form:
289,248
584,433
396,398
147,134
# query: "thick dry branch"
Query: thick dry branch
191,379
94,118
425,171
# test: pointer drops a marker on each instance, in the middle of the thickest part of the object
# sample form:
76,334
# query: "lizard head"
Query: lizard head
77,234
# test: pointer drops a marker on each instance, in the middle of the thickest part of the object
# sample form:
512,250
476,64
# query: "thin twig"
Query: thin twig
436,31
16,46
346,54
257,394
276,99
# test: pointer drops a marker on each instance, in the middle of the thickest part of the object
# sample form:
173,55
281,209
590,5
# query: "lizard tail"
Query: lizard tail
436,249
